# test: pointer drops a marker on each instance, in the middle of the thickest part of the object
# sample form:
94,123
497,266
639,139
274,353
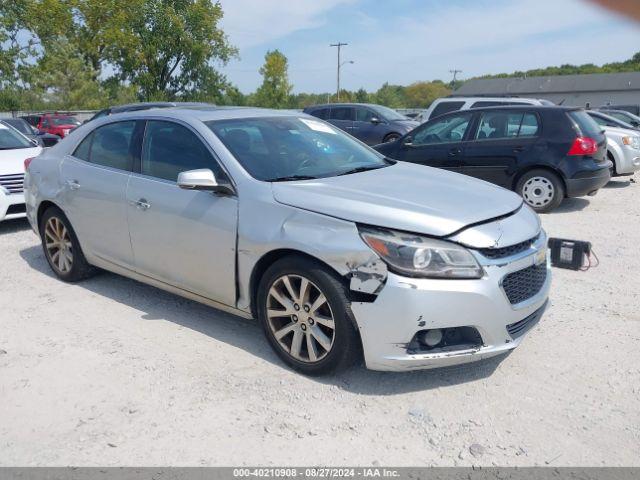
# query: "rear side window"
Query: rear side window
109,146
322,113
584,124
446,107
501,125
169,149
342,113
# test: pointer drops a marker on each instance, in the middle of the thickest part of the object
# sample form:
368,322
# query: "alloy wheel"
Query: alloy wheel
58,245
300,318
538,191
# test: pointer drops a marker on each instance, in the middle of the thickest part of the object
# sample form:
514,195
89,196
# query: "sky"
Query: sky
404,41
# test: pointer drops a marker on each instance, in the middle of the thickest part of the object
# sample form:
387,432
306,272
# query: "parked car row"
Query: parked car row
59,124
284,217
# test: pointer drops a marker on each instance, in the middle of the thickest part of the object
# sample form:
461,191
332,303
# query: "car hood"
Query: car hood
410,124
403,196
620,131
12,161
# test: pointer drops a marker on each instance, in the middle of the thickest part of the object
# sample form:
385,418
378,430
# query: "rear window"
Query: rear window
446,107
584,124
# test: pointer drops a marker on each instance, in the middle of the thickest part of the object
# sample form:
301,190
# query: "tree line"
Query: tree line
88,54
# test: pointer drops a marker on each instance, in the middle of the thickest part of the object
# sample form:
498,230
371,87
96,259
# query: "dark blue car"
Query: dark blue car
371,124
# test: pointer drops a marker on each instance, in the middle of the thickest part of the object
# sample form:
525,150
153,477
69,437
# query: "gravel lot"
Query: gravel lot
113,372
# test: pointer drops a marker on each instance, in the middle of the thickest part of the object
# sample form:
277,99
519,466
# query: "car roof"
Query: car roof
325,105
148,105
537,108
207,113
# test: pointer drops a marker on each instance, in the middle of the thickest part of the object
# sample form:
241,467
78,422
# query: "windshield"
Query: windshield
293,148
65,121
388,113
20,125
624,116
10,139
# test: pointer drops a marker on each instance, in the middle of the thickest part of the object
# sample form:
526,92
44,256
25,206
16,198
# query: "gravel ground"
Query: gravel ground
113,372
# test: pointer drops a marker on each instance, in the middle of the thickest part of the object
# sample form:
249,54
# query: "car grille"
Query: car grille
524,284
496,253
13,183
523,326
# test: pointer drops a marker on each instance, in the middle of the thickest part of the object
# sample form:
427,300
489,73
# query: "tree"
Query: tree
66,81
391,95
422,94
361,96
275,91
173,47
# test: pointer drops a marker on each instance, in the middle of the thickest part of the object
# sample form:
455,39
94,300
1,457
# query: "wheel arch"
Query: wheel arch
548,168
269,259
43,207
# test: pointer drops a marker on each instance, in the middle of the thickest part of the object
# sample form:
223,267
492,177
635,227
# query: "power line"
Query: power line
455,74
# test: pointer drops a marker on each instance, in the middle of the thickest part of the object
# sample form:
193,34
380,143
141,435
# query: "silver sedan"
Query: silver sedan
334,249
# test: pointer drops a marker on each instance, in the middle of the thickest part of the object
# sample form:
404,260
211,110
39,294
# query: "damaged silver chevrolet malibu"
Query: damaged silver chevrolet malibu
279,216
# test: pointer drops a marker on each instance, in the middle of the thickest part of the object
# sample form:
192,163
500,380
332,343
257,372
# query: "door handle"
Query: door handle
142,204
454,152
72,184
518,149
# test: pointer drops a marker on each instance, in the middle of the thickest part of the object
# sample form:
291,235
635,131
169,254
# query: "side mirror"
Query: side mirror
376,120
35,142
408,141
202,179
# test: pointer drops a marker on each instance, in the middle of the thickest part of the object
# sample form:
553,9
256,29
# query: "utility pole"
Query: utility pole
455,74
339,45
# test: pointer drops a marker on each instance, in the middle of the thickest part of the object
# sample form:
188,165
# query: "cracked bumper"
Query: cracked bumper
408,305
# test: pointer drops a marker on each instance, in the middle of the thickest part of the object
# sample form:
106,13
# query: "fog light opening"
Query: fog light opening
437,340
431,338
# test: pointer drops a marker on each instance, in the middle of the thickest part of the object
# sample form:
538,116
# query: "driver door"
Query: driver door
184,238
439,143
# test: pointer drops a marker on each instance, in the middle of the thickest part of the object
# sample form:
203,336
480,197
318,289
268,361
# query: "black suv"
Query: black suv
543,153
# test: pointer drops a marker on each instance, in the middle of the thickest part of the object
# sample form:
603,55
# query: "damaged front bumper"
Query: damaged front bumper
406,306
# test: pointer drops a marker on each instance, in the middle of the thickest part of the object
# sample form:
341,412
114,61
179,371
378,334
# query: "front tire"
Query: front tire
61,247
542,190
306,316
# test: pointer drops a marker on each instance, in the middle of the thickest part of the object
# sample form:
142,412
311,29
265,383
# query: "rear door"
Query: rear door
438,143
342,117
184,238
94,182
499,141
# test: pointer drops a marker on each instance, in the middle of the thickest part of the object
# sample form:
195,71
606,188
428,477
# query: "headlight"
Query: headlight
419,256
633,142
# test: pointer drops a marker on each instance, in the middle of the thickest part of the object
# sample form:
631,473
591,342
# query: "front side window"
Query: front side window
169,149
341,113
364,115
291,148
109,146
445,130
10,139
322,113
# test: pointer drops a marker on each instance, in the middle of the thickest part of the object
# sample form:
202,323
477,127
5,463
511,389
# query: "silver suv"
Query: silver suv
280,216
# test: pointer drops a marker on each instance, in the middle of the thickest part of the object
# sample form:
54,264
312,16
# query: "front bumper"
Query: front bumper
629,162
11,205
406,306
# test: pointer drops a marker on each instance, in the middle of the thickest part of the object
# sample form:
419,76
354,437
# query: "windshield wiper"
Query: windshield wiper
290,178
360,169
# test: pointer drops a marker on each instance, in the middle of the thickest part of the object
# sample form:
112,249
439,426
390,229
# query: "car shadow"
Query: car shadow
571,205
156,304
618,184
14,226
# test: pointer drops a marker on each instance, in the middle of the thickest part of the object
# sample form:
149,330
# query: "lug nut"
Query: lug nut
303,326
311,321
296,306
294,318
306,308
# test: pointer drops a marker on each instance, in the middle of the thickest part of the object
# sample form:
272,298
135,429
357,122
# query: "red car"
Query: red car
56,123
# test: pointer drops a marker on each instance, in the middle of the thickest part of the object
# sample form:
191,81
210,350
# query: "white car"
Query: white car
453,104
623,144
15,148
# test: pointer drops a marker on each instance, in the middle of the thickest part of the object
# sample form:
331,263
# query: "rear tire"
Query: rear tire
541,189
306,316
62,248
